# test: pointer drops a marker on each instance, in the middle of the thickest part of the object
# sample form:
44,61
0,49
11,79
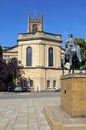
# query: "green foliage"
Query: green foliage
82,44
9,71
0,51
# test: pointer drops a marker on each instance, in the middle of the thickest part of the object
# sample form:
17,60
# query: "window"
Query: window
48,83
29,57
24,83
34,28
50,56
31,83
54,84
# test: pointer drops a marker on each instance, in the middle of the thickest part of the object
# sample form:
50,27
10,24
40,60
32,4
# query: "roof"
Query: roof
11,49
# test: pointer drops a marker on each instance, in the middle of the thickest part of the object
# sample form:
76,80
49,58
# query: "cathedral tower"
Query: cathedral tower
35,25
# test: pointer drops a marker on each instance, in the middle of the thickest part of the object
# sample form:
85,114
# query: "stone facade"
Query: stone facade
73,91
40,54
11,52
43,76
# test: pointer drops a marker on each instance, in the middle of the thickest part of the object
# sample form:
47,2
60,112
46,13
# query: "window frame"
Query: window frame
50,56
54,83
31,83
29,56
48,83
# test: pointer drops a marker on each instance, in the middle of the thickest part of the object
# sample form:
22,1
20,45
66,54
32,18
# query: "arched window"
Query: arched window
29,57
34,28
50,56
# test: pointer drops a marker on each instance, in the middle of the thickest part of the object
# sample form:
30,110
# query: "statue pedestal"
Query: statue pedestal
71,115
60,120
73,94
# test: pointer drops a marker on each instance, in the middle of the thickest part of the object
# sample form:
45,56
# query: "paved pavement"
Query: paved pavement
25,112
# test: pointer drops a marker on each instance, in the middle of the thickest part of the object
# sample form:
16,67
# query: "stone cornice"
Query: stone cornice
39,36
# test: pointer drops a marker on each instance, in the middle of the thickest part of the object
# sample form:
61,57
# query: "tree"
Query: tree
82,44
0,51
9,72
1,62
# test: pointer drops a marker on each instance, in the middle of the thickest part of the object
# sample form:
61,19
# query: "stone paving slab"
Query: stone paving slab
25,113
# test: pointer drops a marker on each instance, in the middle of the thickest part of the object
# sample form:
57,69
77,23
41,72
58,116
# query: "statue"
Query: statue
72,51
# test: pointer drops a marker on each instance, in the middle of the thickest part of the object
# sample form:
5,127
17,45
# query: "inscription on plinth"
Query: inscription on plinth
73,94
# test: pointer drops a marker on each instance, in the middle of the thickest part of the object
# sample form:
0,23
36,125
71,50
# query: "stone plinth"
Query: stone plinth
60,120
73,94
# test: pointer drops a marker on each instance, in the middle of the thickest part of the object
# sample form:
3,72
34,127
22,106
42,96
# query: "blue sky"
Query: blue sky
59,17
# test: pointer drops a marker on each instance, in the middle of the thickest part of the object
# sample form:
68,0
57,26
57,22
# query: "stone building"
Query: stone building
40,54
